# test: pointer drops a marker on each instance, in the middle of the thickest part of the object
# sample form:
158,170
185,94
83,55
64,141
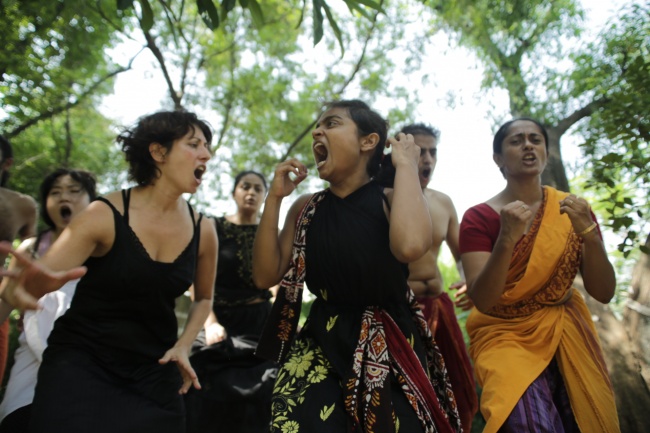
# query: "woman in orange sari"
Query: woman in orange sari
535,349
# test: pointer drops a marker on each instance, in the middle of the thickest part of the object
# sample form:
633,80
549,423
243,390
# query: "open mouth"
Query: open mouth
320,154
426,172
530,158
198,173
65,212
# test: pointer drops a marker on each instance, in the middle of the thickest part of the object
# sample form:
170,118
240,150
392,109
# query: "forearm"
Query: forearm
196,318
410,223
597,271
266,248
211,320
488,286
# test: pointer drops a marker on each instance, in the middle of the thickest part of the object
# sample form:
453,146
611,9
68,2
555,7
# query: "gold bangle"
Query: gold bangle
589,229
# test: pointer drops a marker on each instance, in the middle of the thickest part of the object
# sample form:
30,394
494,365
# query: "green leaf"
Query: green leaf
371,4
318,21
325,412
146,21
256,13
124,4
208,13
335,27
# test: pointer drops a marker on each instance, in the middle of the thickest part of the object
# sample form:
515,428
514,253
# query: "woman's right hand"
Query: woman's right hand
21,287
282,184
214,333
515,217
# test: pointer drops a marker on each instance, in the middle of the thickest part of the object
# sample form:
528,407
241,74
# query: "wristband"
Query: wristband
589,229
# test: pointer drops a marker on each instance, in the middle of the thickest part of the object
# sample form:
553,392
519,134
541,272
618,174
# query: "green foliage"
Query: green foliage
214,16
52,73
54,55
618,72
84,141
514,39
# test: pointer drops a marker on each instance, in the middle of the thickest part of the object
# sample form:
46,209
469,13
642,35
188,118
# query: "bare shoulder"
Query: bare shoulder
208,229
301,202
24,203
439,199
96,221
115,198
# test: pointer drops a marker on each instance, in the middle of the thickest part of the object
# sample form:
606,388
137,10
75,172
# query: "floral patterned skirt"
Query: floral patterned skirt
309,398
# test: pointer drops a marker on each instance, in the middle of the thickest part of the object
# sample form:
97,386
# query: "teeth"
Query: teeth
320,163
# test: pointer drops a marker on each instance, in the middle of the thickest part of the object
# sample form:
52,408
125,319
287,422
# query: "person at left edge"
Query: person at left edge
114,361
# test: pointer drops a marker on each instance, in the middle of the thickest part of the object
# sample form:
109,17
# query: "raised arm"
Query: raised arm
485,272
91,233
272,248
411,233
596,269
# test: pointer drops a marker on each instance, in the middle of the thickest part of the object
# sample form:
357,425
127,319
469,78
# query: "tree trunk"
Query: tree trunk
630,388
637,314
555,175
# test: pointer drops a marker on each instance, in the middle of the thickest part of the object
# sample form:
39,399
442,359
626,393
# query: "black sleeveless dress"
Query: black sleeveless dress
100,371
349,267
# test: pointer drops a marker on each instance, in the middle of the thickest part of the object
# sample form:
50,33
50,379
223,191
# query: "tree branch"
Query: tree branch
151,44
57,110
353,73
566,123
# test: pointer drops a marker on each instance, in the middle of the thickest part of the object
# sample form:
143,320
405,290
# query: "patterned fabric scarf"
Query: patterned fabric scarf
382,349
281,326
378,353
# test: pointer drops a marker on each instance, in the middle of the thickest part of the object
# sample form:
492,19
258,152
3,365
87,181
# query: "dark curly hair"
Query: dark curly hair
367,121
163,127
85,178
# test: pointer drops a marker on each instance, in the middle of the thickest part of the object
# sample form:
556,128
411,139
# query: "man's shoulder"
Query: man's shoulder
438,197
18,200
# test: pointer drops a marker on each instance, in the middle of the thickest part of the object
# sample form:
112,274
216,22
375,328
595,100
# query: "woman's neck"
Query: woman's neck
529,192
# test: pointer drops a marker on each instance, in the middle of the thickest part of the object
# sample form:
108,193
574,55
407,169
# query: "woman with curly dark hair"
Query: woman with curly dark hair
115,362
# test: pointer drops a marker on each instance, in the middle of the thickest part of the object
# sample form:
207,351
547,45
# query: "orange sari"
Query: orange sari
538,317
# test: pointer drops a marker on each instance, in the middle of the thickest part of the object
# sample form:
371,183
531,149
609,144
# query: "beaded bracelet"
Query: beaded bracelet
589,229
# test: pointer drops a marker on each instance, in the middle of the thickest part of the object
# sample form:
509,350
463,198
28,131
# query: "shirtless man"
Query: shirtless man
427,285
18,216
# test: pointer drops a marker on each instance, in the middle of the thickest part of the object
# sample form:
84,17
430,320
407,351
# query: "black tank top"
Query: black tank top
123,309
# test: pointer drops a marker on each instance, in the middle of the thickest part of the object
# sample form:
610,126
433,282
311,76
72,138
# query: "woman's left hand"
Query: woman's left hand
578,211
180,356
404,150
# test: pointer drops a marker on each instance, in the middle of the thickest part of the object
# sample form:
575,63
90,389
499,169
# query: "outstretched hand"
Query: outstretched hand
30,280
461,298
180,356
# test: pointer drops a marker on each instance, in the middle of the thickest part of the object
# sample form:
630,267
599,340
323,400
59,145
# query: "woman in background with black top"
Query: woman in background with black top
107,366
236,396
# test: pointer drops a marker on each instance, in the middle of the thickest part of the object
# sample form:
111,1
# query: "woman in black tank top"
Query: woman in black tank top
107,366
